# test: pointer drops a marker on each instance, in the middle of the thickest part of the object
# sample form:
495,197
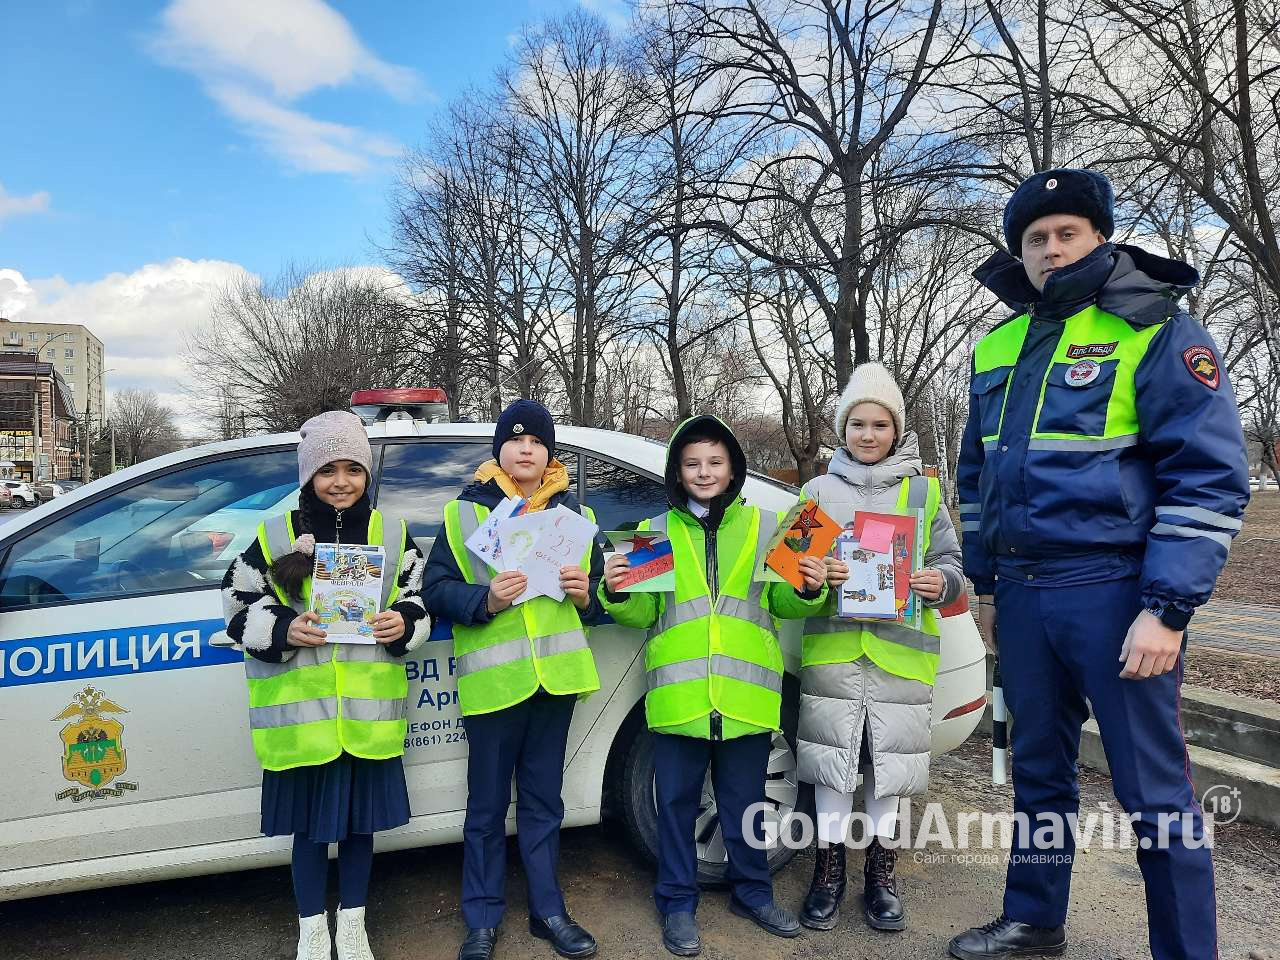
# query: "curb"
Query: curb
1231,743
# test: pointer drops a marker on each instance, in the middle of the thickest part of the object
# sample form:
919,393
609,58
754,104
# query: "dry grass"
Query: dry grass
1252,574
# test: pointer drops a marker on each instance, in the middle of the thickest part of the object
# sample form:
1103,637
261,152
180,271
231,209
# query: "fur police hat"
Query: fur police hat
521,417
1082,193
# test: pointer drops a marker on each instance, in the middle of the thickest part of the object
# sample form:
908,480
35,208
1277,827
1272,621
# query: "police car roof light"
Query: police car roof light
401,403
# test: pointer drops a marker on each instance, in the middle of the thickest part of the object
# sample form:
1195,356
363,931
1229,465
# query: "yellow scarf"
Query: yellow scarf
554,479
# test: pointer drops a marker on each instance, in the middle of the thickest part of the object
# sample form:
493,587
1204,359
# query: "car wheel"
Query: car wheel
638,809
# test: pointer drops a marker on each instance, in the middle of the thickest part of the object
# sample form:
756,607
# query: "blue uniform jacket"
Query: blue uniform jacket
450,599
1183,487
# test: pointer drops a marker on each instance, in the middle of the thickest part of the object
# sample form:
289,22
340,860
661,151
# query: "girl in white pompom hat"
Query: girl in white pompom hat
866,686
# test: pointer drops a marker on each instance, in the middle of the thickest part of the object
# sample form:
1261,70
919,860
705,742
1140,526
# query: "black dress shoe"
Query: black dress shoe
883,908
771,917
479,944
821,909
680,934
567,937
1003,937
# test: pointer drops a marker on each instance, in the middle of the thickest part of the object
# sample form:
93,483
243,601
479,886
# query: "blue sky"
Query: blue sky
117,120
152,150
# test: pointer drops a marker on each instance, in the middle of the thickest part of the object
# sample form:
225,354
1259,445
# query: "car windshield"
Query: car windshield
166,533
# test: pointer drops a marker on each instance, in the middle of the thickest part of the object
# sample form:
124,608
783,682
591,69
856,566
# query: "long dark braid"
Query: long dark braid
290,570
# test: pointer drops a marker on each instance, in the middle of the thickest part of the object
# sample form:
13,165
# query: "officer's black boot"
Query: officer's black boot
880,888
822,906
1003,938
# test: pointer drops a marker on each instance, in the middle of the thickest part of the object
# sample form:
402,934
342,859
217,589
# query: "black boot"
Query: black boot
1003,938
822,906
880,889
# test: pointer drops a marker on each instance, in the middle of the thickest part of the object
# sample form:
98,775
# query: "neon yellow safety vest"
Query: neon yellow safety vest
323,700
1103,348
718,653
538,643
894,647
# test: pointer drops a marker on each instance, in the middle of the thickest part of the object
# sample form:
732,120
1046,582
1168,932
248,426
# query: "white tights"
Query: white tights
835,809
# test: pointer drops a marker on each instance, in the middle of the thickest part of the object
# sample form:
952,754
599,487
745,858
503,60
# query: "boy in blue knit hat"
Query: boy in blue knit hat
521,667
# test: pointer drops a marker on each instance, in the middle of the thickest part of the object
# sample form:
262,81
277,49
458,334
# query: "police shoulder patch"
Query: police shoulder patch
1202,365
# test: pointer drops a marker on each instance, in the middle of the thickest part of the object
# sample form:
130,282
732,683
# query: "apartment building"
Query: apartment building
73,351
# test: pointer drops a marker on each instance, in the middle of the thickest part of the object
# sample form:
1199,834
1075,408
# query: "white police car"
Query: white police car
123,721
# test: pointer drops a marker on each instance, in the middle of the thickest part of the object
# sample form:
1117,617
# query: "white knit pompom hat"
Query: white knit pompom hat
871,382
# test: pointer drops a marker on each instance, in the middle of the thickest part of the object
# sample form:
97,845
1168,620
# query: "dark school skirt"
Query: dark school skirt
329,801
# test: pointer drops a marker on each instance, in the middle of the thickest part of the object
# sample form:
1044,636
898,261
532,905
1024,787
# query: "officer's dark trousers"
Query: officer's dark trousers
527,740
738,769
1059,646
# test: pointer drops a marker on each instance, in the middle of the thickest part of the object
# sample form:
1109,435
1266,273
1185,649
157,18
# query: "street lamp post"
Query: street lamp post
85,466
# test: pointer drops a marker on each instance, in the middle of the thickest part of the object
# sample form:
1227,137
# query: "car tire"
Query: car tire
637,809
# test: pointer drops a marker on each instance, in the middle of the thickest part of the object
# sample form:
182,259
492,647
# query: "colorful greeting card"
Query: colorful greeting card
803,531
346,589
653,568
898,534
869,593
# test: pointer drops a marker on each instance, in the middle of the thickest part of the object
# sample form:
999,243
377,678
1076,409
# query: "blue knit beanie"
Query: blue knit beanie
521,417
1083,193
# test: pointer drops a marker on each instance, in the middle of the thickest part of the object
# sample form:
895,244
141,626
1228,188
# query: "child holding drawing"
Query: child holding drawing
714,671
520,667
332,770
866,686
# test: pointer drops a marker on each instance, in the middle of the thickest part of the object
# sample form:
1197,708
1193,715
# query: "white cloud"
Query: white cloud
305,143
13,206
616,13
143,318
256,58
294,46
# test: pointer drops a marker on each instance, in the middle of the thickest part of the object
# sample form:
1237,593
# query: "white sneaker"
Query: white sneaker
313,937
353,942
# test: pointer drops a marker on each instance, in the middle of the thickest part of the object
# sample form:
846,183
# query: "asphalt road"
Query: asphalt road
413,906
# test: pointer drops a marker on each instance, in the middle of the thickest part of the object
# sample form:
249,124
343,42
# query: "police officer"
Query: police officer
521,668
1103,476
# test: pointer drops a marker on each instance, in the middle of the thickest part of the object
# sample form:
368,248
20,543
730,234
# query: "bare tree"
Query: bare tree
682,160
575,94
143,426
825,89
300,345
1195,88
427,249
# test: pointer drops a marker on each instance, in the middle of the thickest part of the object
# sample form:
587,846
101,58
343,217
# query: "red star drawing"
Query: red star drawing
642,543
807,520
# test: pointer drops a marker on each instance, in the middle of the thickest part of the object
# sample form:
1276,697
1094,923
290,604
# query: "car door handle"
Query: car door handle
220,639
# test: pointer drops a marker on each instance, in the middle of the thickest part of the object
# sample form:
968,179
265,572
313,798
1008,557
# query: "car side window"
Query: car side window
620,496
418,479
178,531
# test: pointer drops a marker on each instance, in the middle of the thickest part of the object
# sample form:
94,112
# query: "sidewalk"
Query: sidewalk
1237,628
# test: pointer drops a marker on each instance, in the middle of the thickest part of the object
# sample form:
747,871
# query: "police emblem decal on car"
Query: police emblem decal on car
92,747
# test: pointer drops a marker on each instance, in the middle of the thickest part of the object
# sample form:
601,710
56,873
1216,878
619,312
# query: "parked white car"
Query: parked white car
124,721
22,493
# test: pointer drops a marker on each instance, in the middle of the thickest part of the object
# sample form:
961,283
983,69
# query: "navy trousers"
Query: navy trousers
1058,647
738,768
527,741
